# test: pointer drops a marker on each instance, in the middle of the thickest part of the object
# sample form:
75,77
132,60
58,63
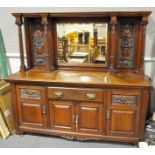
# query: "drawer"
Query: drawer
125,98
78,94
30,93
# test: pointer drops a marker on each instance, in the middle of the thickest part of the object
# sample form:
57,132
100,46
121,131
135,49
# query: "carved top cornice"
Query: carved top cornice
87,14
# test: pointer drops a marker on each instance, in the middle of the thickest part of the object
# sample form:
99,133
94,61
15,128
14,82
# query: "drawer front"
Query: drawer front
75,94
125,98
30,93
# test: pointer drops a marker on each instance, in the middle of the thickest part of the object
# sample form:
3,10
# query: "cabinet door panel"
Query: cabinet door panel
91,118
123,121
61,114
31,115
123,112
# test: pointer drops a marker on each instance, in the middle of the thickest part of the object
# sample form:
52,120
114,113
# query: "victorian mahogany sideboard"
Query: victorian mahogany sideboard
104,97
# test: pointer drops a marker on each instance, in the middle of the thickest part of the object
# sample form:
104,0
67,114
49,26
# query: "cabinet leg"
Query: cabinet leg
135,143
19,132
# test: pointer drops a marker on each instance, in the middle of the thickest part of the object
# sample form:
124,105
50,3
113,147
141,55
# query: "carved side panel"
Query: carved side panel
30,93
38,43
38,47
126,49
124,99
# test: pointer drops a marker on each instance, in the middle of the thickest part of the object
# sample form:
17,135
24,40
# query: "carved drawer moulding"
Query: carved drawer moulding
30,94
124,99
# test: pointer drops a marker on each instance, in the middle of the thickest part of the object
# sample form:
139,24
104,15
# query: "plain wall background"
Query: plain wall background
10,36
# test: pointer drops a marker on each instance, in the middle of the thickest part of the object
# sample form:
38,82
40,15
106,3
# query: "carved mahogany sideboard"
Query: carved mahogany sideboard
52,95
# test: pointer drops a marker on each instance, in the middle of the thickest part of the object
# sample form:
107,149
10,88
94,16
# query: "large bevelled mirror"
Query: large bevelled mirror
82,43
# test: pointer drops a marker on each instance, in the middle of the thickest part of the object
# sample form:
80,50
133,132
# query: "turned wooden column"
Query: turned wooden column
19,23
45,24
113,45
141,48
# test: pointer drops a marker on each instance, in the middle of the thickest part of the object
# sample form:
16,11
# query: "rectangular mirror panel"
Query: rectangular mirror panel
82,43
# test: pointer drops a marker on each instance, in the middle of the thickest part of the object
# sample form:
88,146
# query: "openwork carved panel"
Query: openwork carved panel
127,38
38,45
124,99
30,93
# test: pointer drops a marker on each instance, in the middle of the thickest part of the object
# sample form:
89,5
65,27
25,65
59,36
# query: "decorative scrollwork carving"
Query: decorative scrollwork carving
127,44
124,99
38,38
30,93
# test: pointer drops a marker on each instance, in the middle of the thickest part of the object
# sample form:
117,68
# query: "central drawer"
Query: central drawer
79,94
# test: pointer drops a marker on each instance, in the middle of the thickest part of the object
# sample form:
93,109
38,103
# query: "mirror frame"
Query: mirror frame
82,20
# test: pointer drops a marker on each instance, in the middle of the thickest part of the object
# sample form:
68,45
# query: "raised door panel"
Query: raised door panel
32,115
122,122
61,115
89,118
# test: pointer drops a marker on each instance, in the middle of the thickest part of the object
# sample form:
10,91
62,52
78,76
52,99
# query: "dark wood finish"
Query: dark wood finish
44,22
49,20
75,94
101,102
143,112
19,23
62,115
90,118
113,42
123,114
32,107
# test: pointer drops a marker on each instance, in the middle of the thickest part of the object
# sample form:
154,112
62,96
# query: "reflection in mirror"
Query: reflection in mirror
82,43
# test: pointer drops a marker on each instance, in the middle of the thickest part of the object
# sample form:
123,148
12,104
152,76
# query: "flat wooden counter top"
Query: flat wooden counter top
80,78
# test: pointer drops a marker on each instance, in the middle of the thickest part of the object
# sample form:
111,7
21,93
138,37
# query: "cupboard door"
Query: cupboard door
32,106
90,118
122,122
61,115
123,112
32,115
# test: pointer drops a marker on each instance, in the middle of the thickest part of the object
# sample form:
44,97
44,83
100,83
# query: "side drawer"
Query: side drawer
79,94
30,93
130,98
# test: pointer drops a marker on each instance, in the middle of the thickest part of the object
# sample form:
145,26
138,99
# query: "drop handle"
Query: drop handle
77,119
108,114
73,118
58,94
91,96
44,109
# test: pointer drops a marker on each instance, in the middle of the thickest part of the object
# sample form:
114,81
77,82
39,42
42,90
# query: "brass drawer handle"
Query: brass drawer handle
43,109
58,94
91,96
108,114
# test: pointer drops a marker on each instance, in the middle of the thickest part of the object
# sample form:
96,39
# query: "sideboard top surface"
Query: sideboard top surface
82,78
